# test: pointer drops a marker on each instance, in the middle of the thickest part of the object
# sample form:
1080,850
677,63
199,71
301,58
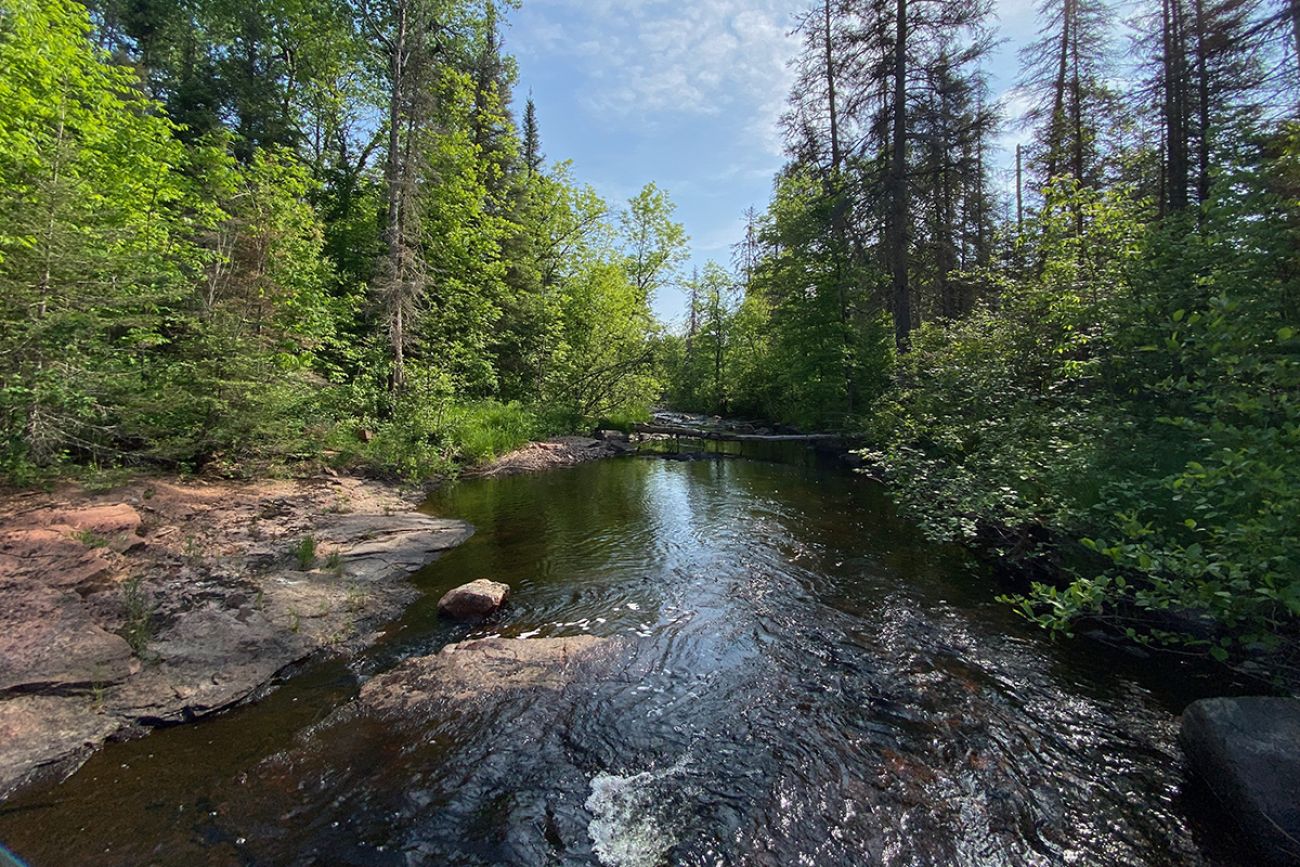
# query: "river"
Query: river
803,680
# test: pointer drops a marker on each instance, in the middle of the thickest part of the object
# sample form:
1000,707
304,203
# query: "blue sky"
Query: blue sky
686,93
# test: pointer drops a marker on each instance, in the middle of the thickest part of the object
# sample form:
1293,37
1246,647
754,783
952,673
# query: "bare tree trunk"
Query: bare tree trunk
1175,104
1020,201
1076,110
1295,27
898,233
1203,97
1056,127
836,152
395,181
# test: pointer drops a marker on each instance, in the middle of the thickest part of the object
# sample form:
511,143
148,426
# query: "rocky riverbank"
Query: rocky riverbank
554,453
164,601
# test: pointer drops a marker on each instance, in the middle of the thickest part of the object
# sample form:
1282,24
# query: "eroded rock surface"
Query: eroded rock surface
473,670
1247,752
209,584
558,452
473,601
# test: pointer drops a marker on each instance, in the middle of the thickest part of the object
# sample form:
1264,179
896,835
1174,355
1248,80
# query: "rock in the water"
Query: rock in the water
473,600
1247,752
463,673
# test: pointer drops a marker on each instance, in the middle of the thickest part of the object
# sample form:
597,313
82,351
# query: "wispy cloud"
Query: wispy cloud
654,61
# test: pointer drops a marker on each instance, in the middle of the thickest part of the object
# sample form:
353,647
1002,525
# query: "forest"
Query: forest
233,237
1092,373
240,237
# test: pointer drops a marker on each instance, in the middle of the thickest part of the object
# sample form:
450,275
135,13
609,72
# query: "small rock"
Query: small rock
474,600
1247,752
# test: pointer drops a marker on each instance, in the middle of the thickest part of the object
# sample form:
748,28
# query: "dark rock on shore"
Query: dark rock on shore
551,454
474,600
1247,753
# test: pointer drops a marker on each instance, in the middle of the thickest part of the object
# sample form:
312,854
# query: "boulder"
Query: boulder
474,600
1247,752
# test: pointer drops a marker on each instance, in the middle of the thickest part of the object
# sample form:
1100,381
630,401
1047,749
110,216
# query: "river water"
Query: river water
802,680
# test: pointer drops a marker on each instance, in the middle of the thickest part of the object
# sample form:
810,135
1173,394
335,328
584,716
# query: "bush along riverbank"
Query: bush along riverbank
1124,426
1115,419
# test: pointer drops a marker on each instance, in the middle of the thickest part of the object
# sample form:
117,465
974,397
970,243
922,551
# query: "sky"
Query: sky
685,93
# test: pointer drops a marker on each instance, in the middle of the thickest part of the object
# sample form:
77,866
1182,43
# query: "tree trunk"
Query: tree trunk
393,178
898,187
1175,105
1076,111
1056,128
1203,98
836,153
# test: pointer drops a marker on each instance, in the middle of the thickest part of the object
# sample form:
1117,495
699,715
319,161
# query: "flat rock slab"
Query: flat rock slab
1247,752
210,659
219,603
49,642
475,670
375,545
40,731
474,600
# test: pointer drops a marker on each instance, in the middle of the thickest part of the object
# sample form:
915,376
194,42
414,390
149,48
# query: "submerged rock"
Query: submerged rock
1247,752
474,600
472,670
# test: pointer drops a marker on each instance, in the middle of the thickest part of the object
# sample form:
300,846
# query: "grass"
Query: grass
138,626
306,553
488,429
91,539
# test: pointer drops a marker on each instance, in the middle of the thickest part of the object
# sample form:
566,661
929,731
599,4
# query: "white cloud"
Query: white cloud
656,59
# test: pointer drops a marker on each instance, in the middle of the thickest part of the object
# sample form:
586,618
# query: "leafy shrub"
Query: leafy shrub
1135,401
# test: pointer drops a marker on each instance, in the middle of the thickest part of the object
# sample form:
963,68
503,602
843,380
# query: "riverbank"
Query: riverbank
777,640
163,601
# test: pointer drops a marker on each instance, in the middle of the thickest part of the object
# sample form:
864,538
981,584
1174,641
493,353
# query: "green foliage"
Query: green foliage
488,429
139,608
305,553
190,279
807,344
1137,393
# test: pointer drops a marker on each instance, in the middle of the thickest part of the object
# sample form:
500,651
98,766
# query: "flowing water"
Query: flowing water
801,680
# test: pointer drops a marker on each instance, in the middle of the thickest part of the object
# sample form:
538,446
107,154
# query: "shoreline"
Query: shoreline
161,601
